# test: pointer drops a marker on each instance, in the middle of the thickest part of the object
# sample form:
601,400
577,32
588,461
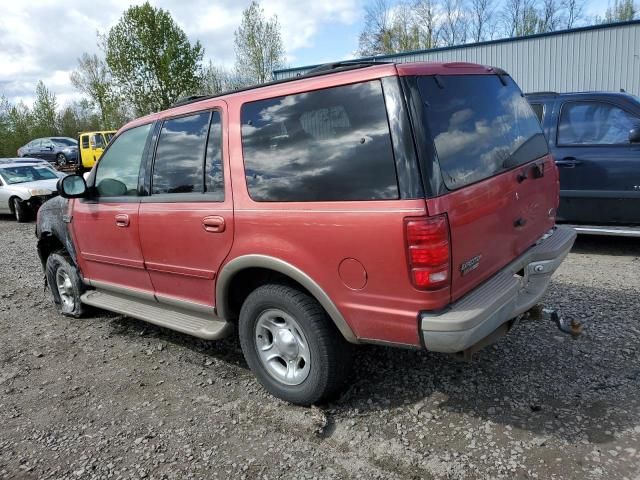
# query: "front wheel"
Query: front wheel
20,210
65,284
61,159
291,345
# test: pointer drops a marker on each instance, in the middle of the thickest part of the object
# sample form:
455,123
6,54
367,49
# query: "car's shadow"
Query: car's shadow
607,245
536,379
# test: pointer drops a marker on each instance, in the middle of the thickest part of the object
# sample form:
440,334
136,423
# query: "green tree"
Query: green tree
151,59
44,112
258,46
621,11
93,78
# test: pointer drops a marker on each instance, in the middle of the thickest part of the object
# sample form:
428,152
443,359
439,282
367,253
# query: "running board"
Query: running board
206,326
608,230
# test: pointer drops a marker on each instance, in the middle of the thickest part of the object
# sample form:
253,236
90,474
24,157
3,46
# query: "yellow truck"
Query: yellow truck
91,145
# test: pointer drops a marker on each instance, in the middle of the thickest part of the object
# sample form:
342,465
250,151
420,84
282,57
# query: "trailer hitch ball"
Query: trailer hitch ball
572,327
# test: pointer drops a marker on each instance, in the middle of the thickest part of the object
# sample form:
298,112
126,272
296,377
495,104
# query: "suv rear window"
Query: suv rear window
480,126
324,145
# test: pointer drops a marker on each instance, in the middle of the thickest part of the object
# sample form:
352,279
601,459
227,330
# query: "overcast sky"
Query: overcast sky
42,39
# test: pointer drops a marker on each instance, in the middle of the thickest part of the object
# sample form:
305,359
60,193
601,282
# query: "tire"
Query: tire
61,159
66,287
287,324
20,210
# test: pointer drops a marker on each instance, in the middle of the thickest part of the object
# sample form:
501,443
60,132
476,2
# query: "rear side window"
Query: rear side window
594,123
538,109
178,166
85,141
325,145
214,172
480,127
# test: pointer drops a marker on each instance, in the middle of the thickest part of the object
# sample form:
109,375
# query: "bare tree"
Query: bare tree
376,25
520,17
574,12
426,16
454,26
550,17
390,29
481,24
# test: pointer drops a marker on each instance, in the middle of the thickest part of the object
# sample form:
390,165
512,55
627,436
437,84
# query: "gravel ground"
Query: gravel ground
112,397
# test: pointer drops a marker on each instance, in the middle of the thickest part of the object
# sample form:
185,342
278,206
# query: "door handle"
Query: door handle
122,220
568,162
213,224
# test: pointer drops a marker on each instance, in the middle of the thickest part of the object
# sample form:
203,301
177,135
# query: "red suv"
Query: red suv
401,204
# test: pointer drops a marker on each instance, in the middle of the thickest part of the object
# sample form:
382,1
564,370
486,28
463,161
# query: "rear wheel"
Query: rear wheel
65,284
20,210
291,345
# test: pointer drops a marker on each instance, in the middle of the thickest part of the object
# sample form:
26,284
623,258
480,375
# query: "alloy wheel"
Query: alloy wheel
282,347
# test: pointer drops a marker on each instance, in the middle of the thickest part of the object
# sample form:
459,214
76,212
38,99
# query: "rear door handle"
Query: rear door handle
122,220
568,162
213,224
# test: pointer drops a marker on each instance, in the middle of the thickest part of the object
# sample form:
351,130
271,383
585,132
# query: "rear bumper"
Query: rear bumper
501,298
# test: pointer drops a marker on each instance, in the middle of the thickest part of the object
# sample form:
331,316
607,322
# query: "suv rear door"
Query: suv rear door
499,185
599,167
186,223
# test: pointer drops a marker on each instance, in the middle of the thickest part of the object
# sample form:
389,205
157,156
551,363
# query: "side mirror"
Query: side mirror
634,135
72,186
50,147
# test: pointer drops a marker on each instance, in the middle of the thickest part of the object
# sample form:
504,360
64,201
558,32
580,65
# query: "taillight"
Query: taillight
428,251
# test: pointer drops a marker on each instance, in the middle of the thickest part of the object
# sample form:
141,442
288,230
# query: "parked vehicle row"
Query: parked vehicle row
58,150
64,150
307,223
595,140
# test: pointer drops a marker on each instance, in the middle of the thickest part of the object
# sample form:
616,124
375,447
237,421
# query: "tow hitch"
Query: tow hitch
572,327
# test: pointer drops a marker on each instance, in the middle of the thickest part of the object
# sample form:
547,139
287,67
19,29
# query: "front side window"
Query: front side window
480,126
119,167
594,123
324,145
180,155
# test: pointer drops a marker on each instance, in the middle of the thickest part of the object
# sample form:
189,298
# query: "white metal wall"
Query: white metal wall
603,58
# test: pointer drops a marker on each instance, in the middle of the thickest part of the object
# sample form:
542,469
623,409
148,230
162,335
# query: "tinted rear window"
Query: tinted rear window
325,145
480,127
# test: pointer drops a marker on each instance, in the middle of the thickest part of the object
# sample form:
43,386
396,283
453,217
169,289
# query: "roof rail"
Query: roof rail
541,93
329,67
314,72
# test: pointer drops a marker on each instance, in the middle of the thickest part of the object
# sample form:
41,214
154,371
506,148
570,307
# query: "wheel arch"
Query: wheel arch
247,263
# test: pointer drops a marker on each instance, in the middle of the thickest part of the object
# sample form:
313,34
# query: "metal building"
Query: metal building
599,57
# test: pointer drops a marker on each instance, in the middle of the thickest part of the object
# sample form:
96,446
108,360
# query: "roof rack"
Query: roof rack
330,67
314,72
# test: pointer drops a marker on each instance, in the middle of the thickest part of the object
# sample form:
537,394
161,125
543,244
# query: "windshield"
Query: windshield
480,126
67,142
109,136
26,173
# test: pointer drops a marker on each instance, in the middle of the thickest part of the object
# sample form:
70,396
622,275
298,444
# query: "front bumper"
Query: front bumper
36,201
509,293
